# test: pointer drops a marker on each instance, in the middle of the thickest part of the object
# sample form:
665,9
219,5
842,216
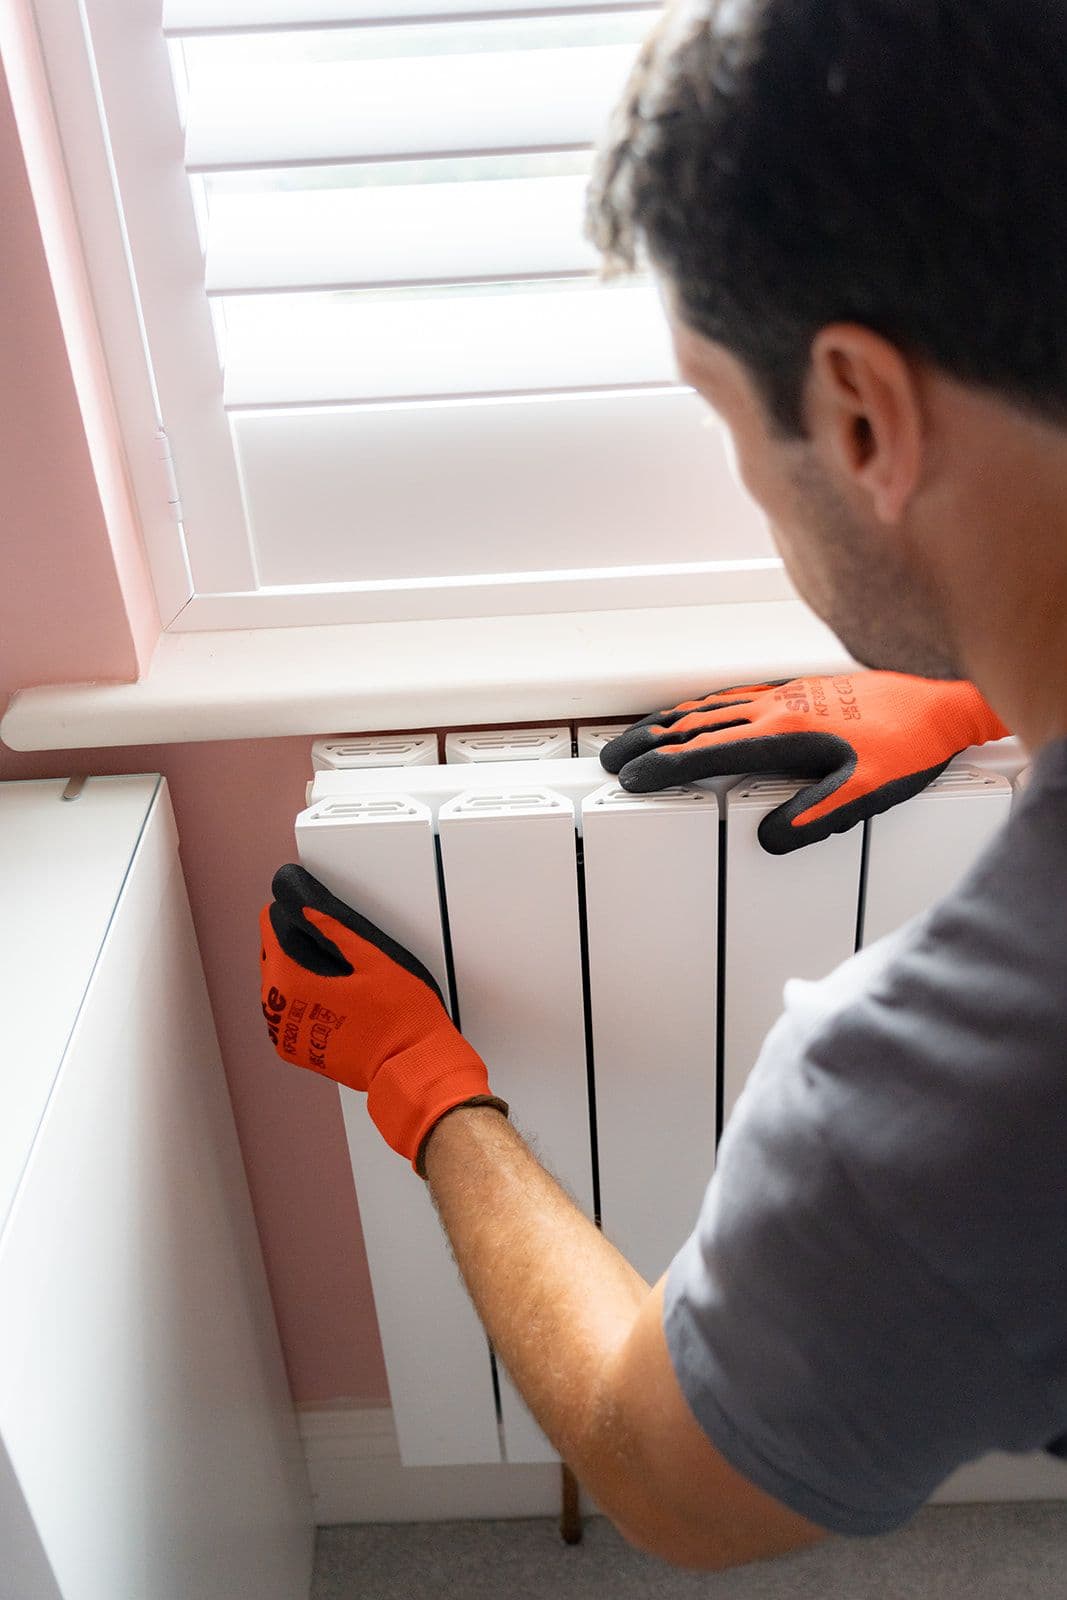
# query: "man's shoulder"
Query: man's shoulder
932,1072
885,1230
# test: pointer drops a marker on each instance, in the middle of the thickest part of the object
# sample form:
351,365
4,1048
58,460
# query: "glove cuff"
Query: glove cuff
413,1090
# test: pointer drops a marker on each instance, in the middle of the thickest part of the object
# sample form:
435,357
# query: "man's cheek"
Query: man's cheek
729,450
759,486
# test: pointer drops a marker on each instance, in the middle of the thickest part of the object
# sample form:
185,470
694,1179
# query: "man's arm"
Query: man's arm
581,1334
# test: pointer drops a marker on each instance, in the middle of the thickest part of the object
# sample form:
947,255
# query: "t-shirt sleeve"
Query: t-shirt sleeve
822,1353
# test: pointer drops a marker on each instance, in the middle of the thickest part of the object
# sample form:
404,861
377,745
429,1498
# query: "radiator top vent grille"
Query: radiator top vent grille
591,740
476,803
617,795
773,788
374,808
508,744
967,778
958,779
374,750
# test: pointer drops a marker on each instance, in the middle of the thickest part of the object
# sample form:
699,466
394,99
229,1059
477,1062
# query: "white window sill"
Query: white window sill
369,677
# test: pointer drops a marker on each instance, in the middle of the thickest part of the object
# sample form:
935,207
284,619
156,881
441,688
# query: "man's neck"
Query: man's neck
1019,661
1002,560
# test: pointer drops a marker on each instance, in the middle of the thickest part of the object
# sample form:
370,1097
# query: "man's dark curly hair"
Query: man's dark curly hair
897,163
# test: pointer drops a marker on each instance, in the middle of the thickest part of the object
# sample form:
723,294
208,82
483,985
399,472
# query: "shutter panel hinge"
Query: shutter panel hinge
170,481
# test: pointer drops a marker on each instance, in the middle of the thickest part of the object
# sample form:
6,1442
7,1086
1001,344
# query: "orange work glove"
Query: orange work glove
342,998
869,739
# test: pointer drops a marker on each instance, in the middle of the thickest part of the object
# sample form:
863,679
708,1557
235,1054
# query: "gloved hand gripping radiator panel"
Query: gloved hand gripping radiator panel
616,959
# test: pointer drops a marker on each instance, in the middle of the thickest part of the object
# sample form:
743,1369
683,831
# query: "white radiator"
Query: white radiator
617,960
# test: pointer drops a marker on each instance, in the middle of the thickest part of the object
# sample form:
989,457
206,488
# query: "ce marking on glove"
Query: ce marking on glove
847,699
323,1022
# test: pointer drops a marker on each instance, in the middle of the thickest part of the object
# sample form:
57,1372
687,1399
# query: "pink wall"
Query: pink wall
72,609
60,451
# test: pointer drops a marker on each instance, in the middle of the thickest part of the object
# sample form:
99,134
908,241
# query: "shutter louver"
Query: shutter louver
205,17
326,157
406,234
385,109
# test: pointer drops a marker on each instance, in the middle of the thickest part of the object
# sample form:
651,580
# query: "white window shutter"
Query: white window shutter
392,382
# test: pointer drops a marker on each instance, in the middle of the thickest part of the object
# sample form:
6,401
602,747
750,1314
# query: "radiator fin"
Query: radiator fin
388,870
651,874
790,916
510,875
919,852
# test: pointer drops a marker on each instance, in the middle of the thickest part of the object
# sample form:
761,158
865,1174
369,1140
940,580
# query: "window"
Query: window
337,256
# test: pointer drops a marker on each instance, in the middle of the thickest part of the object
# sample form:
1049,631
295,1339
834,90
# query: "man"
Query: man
855,210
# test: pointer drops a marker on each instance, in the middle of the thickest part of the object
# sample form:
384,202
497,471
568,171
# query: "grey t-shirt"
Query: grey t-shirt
876,1288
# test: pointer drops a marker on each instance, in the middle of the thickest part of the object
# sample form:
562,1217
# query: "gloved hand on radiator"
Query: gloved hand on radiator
868,739
344,999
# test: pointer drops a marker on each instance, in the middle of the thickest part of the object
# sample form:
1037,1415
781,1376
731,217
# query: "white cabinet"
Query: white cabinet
148,1448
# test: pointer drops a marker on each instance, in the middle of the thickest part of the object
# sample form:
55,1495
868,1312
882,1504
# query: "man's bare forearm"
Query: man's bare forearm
581,1333
556,1298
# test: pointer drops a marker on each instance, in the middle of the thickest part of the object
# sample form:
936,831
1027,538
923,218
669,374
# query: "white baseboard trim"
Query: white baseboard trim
356,1476
1000,1477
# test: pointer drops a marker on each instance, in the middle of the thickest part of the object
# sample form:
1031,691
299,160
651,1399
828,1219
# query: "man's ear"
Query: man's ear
863,408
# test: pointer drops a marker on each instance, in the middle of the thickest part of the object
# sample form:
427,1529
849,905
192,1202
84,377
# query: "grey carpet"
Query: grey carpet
1016,1552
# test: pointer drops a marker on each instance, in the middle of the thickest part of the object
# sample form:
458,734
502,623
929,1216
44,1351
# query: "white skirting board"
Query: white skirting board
356,1476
